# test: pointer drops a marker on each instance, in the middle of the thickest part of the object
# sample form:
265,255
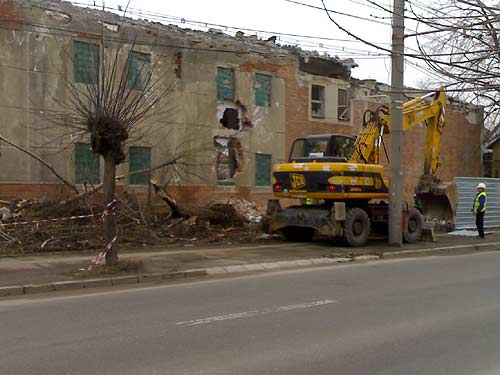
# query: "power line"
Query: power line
339,13
182,20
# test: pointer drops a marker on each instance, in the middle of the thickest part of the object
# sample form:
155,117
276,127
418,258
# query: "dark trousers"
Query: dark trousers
480,223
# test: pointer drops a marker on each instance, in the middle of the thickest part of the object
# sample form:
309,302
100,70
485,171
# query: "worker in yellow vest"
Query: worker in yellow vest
479,208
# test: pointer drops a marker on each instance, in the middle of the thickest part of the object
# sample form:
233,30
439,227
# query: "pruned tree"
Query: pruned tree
459,40
126,97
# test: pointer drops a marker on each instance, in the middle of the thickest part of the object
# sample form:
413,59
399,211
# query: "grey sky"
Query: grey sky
290,18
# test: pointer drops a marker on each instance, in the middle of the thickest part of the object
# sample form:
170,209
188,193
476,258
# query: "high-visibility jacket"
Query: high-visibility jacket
416,202
480,202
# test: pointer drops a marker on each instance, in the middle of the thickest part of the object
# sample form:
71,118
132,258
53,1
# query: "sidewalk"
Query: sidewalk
36,273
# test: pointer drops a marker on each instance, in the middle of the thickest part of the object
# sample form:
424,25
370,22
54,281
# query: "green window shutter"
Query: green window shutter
139,159
263,169
263,90
85,62
86,164
138,70
225,84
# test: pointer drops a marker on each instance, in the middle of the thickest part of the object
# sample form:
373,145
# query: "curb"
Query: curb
457,249
16,290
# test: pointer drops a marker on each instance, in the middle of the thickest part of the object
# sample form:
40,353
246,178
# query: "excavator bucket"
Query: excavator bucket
439,201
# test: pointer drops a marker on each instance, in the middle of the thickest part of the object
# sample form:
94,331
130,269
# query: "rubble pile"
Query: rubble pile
219,221
29,226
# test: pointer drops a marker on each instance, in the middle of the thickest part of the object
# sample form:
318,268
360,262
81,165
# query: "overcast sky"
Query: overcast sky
311,27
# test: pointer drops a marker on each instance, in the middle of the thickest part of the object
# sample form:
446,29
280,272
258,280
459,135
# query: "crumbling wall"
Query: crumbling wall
33,70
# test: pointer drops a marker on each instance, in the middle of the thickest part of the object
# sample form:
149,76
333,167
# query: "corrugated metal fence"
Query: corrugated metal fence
467,191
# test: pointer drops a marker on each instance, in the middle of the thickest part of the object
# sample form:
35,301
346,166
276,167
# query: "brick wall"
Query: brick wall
10,16
10,191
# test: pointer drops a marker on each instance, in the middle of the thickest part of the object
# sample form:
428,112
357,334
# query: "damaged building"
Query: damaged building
236,106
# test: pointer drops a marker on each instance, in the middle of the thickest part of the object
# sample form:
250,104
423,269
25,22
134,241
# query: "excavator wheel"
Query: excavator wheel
298,234
415,226
356,227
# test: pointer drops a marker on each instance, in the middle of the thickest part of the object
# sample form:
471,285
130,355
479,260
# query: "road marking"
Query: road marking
247,314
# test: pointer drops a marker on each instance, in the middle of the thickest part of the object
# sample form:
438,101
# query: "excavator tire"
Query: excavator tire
356,227
414,228
298,234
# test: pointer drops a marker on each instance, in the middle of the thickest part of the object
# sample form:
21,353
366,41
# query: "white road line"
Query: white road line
251,313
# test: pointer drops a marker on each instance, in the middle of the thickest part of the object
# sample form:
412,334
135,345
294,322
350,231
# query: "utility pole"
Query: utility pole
396,131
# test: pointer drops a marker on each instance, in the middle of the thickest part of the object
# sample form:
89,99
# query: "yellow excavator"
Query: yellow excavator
340,184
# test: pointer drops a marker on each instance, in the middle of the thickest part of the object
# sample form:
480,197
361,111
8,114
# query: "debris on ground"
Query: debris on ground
467,233
34,226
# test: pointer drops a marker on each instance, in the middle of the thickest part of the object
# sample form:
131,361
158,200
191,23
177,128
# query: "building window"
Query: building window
86,164
85,62
263,90
139,70
343,105
225,84
262,169
317,101
139,159
228,155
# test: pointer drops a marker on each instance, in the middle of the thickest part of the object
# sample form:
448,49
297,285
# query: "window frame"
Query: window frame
82,67
269,157
343,109
140,179
137,80
222,87
320,101
263,85
81,167
226,157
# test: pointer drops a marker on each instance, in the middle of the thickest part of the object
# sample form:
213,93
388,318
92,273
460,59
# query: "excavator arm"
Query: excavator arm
419,110
438,198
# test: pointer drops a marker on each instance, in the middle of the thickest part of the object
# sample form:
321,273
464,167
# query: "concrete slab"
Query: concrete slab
196,273
151,277
319,261
271,266
96,283
11,290
234,269
173,275
69,285
288,263
254,267
40,288
216,270
121,280
304,262
367,257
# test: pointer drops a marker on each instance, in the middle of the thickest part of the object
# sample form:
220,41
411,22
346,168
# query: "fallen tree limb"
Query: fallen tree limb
171,203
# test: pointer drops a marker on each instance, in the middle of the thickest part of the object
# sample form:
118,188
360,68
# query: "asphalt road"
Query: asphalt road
419,316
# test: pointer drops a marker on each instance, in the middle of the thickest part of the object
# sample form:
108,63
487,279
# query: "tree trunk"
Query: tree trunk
110,220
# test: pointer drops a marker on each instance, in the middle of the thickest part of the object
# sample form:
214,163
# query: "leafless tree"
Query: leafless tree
122,104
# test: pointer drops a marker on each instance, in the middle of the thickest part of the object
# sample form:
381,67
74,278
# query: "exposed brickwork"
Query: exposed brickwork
10,18
189,195
29,191
198,195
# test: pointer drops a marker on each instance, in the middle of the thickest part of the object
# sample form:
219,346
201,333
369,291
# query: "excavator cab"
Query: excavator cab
325,148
